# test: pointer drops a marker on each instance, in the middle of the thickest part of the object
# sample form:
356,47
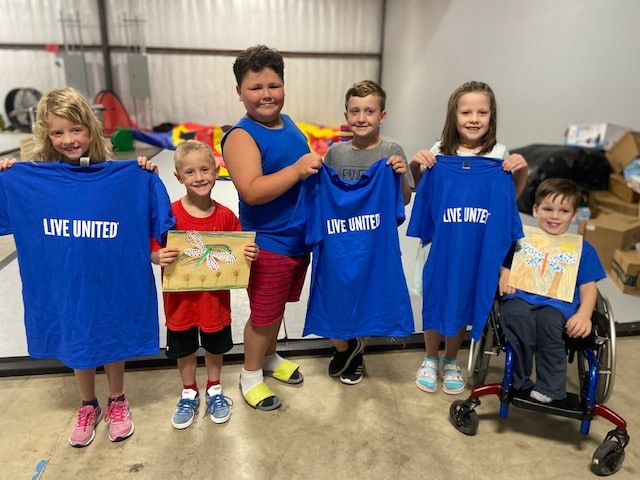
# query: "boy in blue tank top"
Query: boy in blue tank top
268,157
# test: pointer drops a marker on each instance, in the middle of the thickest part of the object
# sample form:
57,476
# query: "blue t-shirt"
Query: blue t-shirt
358,287
279,148
465,206
82,237
589,270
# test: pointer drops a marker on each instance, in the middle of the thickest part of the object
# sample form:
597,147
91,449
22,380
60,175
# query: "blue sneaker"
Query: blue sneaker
186,409
218,406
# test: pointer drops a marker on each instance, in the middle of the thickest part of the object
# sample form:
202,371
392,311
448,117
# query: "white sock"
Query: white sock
214,390
271,362
188,393
540,397
250,378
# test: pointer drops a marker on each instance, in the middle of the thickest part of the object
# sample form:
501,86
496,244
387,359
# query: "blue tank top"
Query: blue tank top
279,148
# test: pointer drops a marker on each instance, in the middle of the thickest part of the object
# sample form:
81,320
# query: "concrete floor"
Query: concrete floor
383,428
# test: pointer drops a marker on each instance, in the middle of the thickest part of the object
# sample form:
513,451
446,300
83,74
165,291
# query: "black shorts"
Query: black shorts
185,343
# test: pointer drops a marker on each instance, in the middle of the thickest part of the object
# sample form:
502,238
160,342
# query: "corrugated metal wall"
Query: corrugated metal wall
190,47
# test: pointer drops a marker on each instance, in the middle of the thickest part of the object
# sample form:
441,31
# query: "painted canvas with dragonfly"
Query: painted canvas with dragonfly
546,264
207,261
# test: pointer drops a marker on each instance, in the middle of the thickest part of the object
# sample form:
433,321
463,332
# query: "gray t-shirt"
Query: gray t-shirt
351,163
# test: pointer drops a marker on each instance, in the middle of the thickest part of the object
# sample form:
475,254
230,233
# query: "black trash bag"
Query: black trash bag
587,167
163,127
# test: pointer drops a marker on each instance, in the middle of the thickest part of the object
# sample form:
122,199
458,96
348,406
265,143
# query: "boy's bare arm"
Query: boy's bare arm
399,166
579,325
503,288
243,160
251,251
165,256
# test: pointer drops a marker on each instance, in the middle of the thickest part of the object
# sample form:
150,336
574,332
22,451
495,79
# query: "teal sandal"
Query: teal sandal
427,376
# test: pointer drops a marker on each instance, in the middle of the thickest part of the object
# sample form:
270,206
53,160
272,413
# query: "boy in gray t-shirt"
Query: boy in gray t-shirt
365,112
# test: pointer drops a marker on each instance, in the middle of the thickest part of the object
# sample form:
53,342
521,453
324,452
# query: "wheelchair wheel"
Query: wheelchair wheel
608,458
606,351
463,418
480,352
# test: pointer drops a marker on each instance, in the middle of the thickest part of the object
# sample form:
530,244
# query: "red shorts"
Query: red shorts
275,279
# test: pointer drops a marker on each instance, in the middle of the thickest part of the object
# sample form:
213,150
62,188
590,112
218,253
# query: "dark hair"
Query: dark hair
559,187
365,88
450,141
256,59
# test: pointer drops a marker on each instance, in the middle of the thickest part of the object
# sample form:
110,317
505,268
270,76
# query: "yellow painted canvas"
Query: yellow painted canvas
546,264
207,261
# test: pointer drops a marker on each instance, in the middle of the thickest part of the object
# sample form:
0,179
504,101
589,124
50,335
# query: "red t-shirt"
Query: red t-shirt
209,310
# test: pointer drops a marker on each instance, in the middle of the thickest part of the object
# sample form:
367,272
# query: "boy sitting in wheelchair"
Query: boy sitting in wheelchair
534,324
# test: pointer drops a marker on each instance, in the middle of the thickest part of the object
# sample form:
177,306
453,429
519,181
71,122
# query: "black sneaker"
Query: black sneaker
340,360
354,372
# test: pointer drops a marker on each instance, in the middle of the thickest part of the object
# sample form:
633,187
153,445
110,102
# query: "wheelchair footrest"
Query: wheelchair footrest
570,407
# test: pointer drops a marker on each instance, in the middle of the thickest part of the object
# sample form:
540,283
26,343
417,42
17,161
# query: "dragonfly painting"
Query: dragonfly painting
209,254
546,264
207,261
543,259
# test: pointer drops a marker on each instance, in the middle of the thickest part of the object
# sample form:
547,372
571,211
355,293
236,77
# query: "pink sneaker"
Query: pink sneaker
85,430
119,417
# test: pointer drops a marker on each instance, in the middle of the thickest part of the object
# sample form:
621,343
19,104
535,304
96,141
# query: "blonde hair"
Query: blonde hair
190,146
70,104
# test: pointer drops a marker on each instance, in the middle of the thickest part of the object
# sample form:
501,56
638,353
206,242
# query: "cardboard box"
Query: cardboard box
625,150
618,186
596,135
611,231
582,224
605,201
625,268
